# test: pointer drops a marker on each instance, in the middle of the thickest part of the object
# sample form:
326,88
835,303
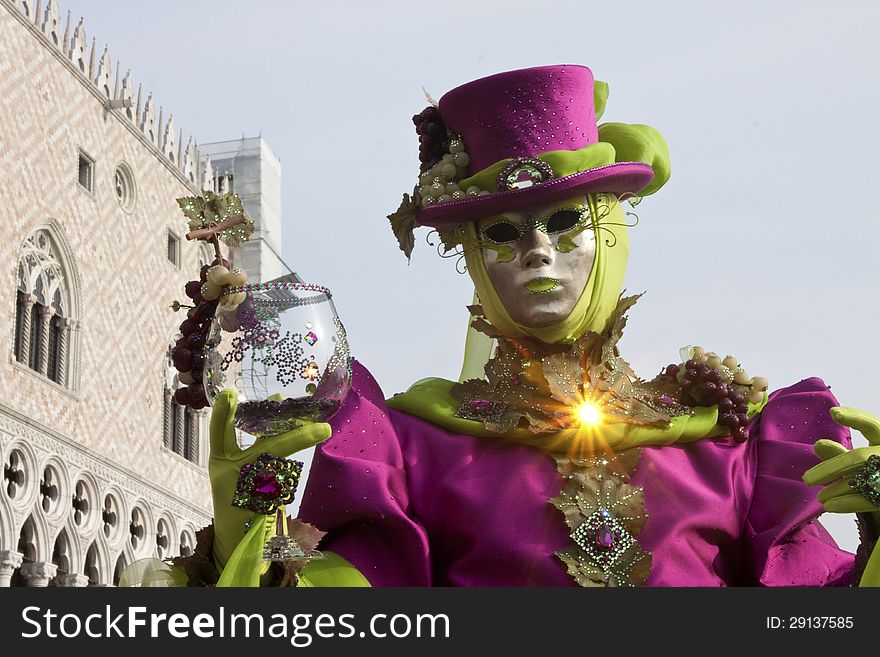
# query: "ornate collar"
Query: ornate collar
535,393
547,388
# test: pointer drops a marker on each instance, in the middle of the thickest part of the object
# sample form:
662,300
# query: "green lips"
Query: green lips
541,285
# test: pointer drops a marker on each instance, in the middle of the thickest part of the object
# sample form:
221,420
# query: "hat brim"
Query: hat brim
617,178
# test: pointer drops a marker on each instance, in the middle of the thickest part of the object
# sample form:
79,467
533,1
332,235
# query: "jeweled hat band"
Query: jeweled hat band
523,172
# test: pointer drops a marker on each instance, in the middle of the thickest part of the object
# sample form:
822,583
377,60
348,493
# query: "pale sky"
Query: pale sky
761,245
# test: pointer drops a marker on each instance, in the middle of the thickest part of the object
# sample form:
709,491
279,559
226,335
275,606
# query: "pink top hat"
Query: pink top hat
522,115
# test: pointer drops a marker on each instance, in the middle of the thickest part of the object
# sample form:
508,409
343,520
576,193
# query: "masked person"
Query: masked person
551,463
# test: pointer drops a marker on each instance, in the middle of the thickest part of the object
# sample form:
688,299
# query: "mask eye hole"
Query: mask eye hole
502,232
563,221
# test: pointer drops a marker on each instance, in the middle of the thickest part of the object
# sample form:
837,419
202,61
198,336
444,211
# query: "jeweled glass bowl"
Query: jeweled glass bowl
285,354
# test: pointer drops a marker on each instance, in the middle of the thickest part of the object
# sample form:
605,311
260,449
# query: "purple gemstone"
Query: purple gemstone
604,536
266,484
480,404
666,399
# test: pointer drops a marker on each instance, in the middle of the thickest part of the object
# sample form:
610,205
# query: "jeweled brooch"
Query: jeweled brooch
522,172
268,483
867,480
605,514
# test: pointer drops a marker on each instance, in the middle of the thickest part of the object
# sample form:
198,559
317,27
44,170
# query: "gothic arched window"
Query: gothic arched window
44,310
181,424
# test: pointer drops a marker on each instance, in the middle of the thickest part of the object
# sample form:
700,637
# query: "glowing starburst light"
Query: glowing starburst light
588,414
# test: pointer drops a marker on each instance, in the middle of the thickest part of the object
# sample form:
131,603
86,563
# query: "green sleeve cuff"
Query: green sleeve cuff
332,570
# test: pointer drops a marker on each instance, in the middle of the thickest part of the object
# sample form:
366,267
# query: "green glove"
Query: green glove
838,466
225,463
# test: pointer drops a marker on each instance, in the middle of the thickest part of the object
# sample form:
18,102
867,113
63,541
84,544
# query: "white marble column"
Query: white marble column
63,341
38,573
179,428
71,579
168,418
9,561
191,446
201,446
27,303
46,314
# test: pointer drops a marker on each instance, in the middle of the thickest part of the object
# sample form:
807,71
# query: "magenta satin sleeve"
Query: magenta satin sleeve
786,545
357,491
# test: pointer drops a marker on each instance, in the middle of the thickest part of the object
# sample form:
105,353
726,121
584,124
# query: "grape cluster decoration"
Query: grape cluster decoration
706,379
189,352
443,161
433,136
443,165
211,218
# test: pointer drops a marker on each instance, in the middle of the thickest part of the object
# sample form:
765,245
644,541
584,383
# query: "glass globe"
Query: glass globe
284,350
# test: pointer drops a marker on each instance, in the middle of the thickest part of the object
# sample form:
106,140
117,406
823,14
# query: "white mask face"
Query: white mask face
539,260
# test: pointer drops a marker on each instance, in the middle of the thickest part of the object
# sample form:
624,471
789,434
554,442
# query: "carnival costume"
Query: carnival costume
551,463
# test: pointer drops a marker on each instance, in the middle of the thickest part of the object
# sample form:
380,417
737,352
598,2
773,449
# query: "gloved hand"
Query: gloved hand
837,469
225,462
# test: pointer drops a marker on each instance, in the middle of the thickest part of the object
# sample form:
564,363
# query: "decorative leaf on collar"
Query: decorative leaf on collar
484,327
617,321
479,323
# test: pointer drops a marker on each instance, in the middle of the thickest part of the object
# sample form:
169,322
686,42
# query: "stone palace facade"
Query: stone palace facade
100,466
